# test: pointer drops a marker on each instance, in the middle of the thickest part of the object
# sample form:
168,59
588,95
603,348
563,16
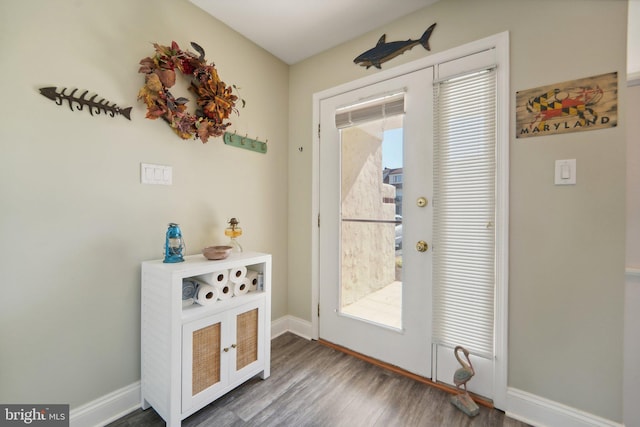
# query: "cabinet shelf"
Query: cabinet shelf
196,311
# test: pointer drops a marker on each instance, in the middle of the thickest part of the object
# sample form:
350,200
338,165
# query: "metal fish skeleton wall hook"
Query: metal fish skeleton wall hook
94,106
384,51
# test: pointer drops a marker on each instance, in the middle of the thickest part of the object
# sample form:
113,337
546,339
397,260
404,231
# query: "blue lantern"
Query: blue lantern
174,244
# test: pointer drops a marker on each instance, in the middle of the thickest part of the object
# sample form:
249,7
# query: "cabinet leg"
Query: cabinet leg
174,422
265,374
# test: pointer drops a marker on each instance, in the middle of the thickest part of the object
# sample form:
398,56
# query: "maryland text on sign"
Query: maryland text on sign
585,104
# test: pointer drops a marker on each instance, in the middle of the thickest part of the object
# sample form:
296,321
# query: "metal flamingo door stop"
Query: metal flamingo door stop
461,377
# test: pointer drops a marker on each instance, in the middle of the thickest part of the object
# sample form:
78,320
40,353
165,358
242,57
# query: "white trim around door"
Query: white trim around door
499,42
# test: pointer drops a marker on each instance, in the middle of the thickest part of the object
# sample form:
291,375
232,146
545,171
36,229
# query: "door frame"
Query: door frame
499,42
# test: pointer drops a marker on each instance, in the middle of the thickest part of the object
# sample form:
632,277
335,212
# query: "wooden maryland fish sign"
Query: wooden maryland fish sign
94,106
384,51
578,105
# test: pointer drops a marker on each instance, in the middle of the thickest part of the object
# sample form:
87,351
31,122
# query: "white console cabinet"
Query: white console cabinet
193,355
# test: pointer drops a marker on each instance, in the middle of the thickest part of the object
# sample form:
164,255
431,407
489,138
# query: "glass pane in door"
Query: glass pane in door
371,221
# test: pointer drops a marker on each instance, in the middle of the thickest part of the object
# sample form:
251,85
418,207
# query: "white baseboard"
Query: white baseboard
541,412
119,403
631,381
630,271
108,408
292,324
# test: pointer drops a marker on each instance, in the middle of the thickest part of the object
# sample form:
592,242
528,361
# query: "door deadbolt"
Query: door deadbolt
421,202
422,246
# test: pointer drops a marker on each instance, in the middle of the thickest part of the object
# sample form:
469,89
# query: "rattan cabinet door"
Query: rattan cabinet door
249,340
204,373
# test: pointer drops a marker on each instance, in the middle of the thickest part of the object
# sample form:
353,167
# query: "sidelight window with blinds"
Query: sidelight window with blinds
464,212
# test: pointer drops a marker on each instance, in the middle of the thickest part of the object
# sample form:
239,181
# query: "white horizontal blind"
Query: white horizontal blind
464,212
370,110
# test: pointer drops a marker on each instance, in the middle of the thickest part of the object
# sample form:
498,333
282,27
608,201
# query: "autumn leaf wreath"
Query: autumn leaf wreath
215,100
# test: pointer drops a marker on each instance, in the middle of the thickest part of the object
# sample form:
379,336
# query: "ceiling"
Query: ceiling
293,30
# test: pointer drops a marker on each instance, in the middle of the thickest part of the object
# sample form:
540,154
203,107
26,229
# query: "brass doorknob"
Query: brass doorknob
422,246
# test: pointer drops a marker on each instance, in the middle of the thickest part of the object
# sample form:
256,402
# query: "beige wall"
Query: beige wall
75,220
566,243
632,290
633,179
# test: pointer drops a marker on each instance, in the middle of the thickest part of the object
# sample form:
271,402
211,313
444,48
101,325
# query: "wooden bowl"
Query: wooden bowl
216,252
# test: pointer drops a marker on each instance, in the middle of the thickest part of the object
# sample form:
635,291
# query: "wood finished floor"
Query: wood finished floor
313,385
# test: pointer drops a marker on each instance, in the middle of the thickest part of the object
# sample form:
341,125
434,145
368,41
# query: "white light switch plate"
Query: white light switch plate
156,174
565,172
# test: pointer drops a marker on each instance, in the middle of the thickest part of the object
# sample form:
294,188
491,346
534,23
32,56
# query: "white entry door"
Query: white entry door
376,158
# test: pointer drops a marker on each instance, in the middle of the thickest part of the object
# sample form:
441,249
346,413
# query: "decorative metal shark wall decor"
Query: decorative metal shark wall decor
384,51
94,106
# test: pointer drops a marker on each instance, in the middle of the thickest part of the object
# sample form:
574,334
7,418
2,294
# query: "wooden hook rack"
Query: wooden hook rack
245,142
